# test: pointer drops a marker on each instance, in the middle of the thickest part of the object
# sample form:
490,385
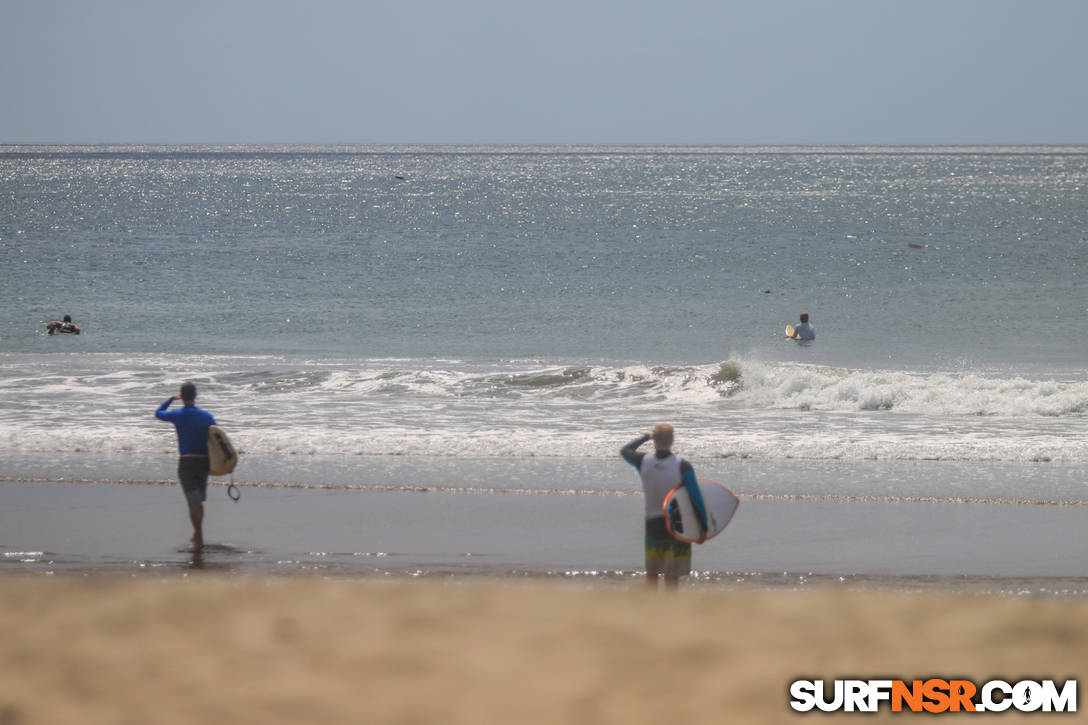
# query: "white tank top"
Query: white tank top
659,476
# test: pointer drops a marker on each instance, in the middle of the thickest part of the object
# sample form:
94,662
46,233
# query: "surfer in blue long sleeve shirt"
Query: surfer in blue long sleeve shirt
192,425
660,473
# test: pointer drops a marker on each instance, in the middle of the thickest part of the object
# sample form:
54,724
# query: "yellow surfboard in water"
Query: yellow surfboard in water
789,331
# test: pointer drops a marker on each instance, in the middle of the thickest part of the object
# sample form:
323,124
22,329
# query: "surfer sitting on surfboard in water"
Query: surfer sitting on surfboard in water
661,472
804,330
192,425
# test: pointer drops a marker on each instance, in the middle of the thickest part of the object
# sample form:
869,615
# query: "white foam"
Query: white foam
523,409
932,394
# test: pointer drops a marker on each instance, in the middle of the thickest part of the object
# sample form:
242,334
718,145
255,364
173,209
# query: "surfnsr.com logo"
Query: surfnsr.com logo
933,695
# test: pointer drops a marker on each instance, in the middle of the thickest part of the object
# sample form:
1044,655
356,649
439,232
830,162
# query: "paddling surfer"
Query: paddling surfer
191,424
660,473
66,327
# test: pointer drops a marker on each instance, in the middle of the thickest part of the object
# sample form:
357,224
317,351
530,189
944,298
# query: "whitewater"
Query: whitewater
529,408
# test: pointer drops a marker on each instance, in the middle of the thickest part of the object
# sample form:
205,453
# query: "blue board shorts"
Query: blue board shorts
193,474
665,556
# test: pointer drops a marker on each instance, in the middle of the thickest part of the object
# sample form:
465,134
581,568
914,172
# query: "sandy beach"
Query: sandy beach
301,649
319,605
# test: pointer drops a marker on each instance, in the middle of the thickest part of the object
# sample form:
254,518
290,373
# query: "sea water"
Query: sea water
462,316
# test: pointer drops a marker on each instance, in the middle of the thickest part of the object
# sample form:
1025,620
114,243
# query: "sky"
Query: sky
676,72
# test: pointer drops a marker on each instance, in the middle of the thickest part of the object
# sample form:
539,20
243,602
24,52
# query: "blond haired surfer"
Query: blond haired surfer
660,473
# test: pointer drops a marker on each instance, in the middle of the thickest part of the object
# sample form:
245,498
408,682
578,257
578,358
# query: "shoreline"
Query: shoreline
1057,483
481,490
775,542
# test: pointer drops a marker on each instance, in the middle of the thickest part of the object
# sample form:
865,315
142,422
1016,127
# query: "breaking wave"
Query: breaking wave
529,408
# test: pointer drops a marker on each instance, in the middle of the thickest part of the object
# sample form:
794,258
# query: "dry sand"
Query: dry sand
204,649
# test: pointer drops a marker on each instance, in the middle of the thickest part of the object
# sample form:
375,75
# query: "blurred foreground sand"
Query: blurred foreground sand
307,650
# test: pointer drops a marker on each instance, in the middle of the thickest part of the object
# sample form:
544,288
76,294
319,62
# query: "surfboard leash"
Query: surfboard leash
232,490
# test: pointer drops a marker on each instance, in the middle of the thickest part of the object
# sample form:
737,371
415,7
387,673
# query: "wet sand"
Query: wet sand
139,529
302,649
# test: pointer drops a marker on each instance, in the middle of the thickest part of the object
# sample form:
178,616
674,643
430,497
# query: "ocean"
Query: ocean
504,319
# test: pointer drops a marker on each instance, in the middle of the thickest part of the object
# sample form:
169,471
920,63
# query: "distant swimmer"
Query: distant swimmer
661,471
803,331
67,327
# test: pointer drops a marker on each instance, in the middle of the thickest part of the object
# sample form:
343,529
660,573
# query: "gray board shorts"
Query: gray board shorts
193,473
